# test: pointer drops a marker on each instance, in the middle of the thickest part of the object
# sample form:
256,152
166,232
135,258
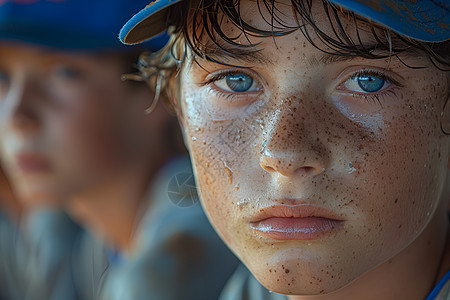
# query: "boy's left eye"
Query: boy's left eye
366,83
236,83
68,72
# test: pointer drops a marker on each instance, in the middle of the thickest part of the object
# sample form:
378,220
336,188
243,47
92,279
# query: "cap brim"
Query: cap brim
147,23
427,21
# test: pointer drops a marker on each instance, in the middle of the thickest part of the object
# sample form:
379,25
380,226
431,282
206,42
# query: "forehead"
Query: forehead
33,55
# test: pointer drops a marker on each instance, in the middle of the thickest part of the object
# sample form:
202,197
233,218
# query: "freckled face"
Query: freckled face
342,141
62,119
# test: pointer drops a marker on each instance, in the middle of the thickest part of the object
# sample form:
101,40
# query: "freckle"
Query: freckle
286,271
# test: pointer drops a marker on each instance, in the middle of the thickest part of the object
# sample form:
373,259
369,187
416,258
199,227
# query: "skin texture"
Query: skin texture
74,136
303,135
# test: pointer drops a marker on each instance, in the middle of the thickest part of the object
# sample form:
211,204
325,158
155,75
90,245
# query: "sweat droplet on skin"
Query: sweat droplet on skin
241,203
263,146
350,168
229,173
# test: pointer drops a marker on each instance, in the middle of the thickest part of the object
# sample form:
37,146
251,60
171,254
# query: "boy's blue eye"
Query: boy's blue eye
4,77
4,83
370,84
367,82
237,83
68,72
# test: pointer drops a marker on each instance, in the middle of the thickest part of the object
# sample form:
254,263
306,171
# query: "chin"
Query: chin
34,197
292,273
301,284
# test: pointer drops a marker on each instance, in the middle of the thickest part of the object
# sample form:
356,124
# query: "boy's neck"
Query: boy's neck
112,210
411,274
9,204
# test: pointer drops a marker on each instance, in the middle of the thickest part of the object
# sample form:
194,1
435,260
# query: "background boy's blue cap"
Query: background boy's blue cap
425,20
70,24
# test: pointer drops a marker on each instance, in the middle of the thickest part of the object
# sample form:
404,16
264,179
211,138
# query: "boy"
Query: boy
75,136
319,136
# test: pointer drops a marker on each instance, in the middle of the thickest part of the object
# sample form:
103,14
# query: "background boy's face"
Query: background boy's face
65,121
298,133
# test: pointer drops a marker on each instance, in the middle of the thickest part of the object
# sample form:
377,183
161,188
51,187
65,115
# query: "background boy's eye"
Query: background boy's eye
4,77
4,82
238,83
68,72
367,83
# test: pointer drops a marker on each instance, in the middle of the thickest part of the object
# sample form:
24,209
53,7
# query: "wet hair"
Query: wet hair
196,24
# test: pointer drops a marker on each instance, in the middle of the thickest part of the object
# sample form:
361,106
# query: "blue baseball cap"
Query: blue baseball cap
70,24
425,20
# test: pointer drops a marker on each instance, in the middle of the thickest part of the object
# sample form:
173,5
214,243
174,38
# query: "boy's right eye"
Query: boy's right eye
68,72
237,83
4,76
234,82
4,82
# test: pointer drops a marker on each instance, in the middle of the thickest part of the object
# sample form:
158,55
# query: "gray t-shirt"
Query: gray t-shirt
58,252
12,256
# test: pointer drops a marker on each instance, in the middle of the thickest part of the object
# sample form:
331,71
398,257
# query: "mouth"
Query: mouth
31,162
295,222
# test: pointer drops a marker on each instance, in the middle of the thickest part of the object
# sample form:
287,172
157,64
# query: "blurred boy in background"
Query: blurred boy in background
75,136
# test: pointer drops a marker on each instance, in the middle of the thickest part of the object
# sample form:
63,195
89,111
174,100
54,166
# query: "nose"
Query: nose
292,145
21,104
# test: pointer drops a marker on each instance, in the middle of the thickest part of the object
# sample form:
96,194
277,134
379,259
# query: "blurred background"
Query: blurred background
97,198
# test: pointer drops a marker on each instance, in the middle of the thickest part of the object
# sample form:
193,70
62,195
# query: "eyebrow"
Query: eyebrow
228,54
231,54
225,53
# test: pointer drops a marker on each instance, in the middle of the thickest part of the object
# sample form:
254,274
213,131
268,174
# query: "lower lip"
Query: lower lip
305,229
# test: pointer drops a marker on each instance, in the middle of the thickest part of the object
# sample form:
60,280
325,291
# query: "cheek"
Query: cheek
88,135
399,175
215,152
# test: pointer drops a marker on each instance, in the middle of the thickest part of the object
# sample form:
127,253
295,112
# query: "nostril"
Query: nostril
307,170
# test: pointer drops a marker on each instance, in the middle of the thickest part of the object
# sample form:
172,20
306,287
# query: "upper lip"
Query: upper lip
300,210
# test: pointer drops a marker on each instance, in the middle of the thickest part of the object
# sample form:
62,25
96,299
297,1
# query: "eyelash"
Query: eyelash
377,96
226,73
222,75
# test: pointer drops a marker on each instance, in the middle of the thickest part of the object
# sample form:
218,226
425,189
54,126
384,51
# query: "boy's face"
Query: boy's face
62,120
351,150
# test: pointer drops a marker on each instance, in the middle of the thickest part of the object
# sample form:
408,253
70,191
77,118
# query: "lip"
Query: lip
295,222
31,162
